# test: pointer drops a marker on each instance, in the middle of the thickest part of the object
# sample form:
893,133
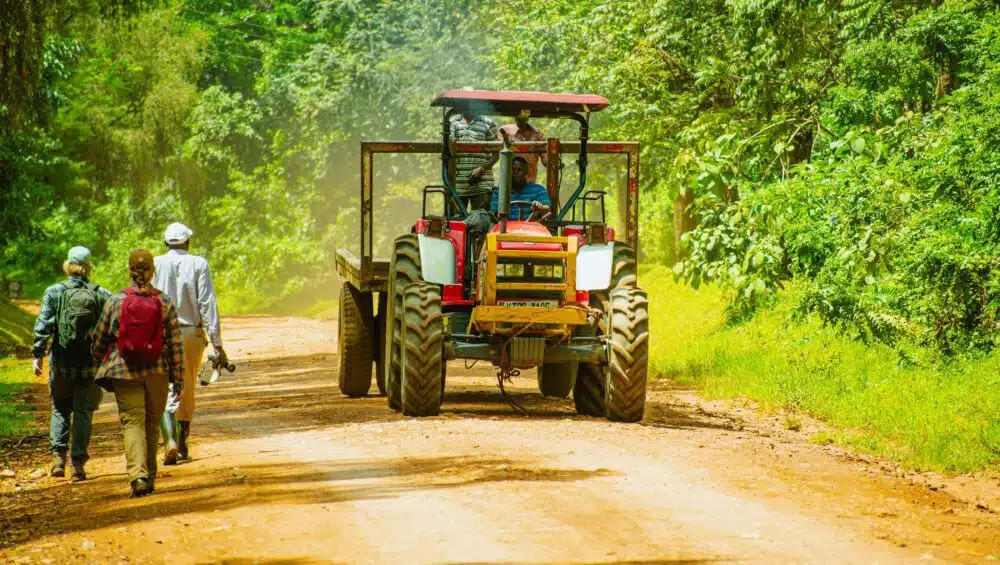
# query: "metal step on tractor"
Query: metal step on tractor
558,292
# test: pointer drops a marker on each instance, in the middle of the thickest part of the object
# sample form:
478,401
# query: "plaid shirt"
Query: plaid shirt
47,328
114,366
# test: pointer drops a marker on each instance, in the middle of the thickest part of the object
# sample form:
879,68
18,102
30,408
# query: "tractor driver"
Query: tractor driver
521,189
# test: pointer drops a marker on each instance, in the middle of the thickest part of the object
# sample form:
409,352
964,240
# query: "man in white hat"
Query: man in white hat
186,280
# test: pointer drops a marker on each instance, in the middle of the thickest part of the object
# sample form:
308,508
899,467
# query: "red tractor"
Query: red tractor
557,293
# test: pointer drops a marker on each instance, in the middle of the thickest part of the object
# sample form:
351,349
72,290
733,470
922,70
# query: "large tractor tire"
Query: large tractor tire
556,379
380,348
629,358
423,350
355,341
404,268
589,392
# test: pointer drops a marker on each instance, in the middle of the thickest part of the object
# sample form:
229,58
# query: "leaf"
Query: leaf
858,145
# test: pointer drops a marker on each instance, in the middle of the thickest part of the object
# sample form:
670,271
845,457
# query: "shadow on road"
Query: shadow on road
58,509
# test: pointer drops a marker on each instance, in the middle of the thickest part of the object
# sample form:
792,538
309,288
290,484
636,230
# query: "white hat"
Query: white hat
177,233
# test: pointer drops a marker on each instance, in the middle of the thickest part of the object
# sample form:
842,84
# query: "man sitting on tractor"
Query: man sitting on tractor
524,191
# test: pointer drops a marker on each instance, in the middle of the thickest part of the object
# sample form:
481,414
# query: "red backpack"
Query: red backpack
140,330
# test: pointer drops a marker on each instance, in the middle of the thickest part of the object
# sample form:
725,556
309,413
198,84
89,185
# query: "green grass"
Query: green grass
15,375
932,415
15,329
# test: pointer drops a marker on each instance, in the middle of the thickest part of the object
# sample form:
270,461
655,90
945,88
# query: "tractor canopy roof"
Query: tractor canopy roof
513,103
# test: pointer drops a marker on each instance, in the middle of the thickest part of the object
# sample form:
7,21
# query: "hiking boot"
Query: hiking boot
58,468
168,426
140,487
78,473
182,437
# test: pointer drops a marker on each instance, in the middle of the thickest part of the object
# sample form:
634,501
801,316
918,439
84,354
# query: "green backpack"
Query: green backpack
81,309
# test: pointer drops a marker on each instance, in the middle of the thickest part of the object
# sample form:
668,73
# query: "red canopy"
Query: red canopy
511,103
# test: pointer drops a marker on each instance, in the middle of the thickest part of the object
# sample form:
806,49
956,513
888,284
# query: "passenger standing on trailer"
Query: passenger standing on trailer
186,280
521,130
139,343
521,189
70,310
474,171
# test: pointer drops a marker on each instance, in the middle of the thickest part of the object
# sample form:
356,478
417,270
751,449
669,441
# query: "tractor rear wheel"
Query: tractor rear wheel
404,268
629,358
556,379
588,394
423,350
355,341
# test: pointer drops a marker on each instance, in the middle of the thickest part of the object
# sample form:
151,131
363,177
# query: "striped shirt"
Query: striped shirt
479,129
114,366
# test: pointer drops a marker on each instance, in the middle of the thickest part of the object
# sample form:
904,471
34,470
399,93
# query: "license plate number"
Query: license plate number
530,303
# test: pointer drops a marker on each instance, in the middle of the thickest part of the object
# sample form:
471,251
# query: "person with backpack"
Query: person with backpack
138,340
185,278
70,310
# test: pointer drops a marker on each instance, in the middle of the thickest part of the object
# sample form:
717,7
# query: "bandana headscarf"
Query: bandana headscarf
140,268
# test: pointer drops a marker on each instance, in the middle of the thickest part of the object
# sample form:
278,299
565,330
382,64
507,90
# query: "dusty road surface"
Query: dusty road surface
285,470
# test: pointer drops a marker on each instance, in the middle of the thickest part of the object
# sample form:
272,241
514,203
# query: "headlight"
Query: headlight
547,271
510,270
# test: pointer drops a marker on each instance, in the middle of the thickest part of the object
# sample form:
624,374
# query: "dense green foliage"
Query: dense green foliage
851,144
935,415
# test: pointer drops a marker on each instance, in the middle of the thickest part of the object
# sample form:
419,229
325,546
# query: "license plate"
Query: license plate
530,303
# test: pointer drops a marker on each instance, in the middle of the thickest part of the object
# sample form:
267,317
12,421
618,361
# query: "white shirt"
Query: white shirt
186,280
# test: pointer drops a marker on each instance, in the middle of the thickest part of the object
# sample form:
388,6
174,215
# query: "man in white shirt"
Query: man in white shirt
186,280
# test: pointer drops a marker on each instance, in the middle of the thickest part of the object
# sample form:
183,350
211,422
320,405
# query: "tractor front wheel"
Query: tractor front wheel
355,341
629,358
423,350
404,268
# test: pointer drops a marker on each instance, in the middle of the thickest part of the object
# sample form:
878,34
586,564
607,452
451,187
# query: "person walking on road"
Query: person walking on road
138,339
69,312
185,278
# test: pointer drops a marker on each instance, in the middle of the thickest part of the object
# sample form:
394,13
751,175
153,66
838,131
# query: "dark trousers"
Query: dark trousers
73,404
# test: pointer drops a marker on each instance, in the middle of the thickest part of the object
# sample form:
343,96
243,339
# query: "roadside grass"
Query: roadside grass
15,375
928,415
15,328
15,369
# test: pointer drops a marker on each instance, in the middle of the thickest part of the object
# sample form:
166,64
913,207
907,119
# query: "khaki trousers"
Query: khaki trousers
194,341
140,407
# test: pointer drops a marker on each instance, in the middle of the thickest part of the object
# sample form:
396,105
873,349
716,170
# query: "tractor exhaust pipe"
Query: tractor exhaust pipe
504,165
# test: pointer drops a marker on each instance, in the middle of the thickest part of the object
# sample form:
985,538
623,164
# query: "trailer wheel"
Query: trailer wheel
556,379
423,350
404,268
355,341
588,394
379,341
629,358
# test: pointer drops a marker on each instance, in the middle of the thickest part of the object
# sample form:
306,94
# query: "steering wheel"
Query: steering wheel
516,204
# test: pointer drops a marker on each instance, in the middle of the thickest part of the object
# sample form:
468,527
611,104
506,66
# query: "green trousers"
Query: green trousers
140,407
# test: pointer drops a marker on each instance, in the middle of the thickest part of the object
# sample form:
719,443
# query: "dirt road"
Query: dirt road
285,470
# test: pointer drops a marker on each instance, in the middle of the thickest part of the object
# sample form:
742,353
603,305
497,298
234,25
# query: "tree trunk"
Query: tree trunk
683,222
